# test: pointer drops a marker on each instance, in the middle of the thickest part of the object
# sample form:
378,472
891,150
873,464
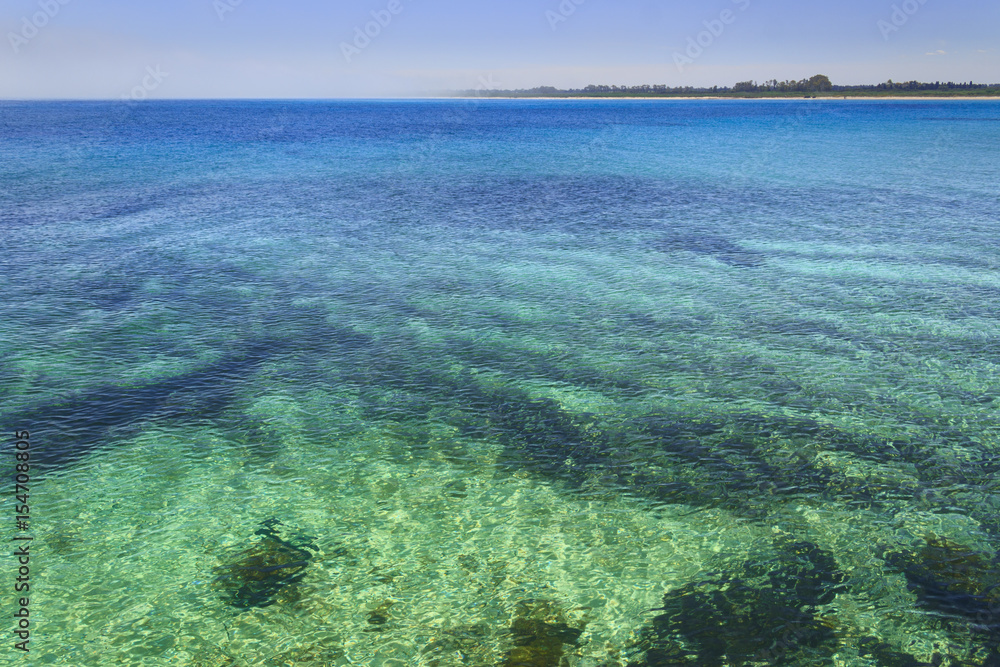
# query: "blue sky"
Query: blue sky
312,48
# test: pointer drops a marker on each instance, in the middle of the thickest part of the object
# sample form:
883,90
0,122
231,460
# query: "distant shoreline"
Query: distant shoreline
717,97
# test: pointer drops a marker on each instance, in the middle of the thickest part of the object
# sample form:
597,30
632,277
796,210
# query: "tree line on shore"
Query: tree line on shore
820,83
816,84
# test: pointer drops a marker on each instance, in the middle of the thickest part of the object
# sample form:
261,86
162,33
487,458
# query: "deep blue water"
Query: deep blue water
510,374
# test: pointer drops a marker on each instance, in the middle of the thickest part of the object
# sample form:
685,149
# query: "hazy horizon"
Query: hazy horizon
218,49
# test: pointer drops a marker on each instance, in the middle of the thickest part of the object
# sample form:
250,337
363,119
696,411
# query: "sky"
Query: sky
109,49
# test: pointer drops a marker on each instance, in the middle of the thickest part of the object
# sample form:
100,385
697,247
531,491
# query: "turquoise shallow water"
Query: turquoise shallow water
505,382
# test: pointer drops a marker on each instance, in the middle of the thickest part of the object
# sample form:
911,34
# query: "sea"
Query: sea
500,383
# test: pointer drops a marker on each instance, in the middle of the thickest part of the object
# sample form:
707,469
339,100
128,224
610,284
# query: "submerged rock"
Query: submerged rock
809,572
762,616
958,583
540,633
379,616
255,576
953,579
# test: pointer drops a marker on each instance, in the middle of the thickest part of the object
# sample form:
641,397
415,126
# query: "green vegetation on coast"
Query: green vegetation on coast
817,86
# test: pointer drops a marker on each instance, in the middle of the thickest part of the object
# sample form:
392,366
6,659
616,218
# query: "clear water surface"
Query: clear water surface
585,383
